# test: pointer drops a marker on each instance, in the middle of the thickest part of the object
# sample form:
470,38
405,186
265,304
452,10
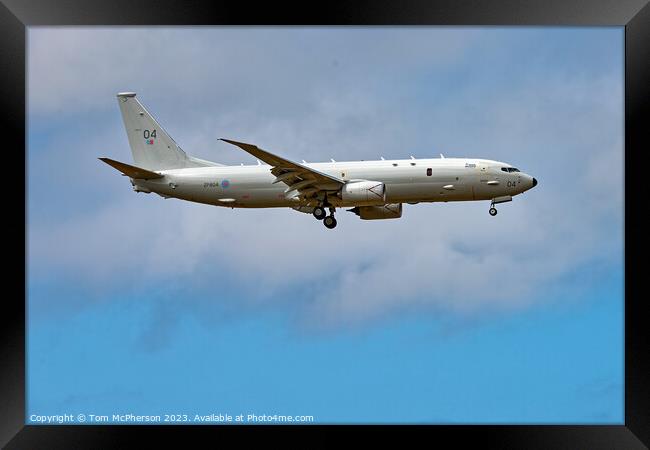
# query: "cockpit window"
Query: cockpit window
513,169
505,169
510,169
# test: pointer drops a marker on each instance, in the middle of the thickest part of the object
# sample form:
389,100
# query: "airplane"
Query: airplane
373,190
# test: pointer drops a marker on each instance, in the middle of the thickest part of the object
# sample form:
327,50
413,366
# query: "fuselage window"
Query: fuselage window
429,172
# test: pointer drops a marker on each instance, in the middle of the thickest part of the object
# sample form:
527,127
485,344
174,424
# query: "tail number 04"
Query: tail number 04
147,134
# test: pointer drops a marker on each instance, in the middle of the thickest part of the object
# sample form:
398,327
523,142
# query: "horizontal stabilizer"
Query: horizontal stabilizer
132,171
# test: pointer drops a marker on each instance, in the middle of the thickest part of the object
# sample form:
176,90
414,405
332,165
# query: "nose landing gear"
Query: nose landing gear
505,198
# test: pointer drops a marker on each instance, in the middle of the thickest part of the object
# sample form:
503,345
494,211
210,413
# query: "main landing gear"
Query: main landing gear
328,221
319,213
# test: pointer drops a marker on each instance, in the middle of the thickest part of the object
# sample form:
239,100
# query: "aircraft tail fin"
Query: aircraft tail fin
152,147
132,171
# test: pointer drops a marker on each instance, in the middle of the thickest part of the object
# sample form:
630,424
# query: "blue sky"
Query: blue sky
142,305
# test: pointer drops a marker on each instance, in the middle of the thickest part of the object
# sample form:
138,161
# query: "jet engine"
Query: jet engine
364,192
389,211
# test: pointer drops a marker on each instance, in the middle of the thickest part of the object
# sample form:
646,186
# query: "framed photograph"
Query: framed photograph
383,215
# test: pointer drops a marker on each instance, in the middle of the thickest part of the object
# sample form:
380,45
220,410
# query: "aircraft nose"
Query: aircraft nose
534,181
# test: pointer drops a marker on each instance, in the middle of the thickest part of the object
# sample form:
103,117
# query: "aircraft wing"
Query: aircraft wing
300,179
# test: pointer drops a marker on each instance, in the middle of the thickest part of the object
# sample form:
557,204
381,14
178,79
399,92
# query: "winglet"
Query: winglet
132,171
249,148
241,145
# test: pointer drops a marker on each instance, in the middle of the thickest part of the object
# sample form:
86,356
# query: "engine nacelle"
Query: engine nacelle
389,211
364,192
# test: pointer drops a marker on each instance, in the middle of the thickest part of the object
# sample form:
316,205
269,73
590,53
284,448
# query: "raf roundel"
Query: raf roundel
225,184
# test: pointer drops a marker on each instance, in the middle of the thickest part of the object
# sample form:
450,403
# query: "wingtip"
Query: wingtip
238,143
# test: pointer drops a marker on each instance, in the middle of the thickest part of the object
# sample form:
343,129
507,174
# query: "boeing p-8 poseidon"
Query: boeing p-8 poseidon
371,189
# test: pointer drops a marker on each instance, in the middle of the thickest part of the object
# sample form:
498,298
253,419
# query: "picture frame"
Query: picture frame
16,16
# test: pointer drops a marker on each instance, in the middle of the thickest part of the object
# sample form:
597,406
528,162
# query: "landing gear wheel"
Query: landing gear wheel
493,211
319,213
329,222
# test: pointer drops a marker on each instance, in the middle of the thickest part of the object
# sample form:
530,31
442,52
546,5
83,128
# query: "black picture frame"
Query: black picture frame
634,15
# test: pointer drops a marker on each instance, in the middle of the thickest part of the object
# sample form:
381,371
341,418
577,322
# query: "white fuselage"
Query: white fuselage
406,181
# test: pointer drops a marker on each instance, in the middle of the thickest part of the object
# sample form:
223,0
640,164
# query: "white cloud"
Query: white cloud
438,257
